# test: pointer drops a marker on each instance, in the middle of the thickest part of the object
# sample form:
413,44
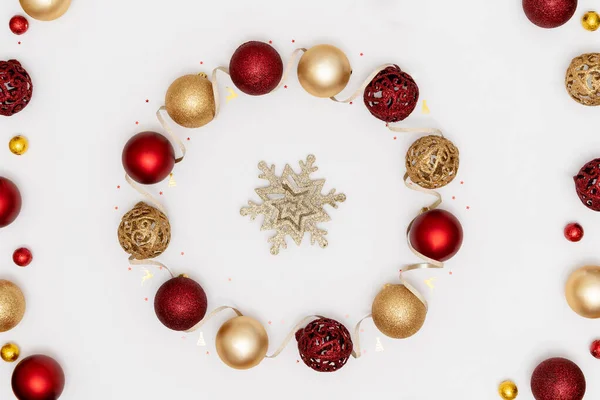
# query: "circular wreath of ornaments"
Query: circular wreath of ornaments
256,68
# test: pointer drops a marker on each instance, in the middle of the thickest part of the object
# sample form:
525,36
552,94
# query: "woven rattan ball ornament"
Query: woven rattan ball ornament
325,345
432,162
587,184
392,95
144,232
16,87
583,79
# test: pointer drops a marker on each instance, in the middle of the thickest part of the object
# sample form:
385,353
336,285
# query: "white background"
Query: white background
494,83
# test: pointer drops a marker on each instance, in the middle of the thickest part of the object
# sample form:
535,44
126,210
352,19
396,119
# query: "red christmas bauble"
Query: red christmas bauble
436,234
16,87
22,257
180,303
325,345
18,24
573,232
38,377
549,13
392,95
587,184
256,68
148,157
595,349
558,379
10,202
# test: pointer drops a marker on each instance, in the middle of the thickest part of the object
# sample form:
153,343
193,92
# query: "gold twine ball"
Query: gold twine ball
18,145
242,342
432,162
582,291
12,305
324,70
45,10
144,232
397,312
190,101
508,390
583,79
590,21
10,352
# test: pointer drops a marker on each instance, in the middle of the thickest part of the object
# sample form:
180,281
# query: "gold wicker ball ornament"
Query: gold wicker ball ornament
583,79
144,232
432,162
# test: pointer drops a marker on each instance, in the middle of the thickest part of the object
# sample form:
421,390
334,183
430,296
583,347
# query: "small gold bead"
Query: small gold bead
10,352
18,145
590,21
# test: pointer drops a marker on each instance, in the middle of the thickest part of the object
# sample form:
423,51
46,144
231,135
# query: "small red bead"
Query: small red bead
595,349
18,25
22,257
573,232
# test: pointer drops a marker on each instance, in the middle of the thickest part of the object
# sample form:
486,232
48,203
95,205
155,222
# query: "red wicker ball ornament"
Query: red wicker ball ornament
392,95
256,68
587,184
324,345
180,303
15,87
148,157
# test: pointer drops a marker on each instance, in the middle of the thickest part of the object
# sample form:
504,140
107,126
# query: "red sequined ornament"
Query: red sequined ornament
10,202
256,68
16,87
324,345
148,157
558,379
18,25
392,95
38,377
180,303
587,184
573,232
549,13
22,257
436,234
595,349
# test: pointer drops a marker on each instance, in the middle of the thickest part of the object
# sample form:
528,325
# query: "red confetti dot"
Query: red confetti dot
145,299
116,208
395,137
137,122
129,269
450,272
147,101
270,42
285,86
207,353
350,103
19,42
462,182
188,138
160,193
270,322
293,41
118,186
229,279
361,54
468,208
297,361
347,316
201,62
453,197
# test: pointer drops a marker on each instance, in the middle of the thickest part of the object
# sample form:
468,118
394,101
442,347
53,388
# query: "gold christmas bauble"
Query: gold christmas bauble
432,162
45,10
190,101
324,70
583,291
397,312
12,305
242,342
144,232
10,352
583,79
18,145
590,21
508,390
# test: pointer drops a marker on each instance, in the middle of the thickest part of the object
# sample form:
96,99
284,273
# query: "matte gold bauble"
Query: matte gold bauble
324,70
583,79
45,10
144,232
12,305
397,312
432,162
242,342
18,145
583,291
190,101
10,352
508,390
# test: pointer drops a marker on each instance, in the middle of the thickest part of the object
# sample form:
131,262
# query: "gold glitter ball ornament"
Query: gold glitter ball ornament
18,145
583,79
590,21
12,305
508,390
144,232
190,101
397,312
10,352
293,204
432,162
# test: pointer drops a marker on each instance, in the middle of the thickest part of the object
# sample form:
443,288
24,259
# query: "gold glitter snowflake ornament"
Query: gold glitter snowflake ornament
292,204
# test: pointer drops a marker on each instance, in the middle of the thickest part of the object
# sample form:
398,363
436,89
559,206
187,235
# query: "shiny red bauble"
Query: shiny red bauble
10,202
392,95
16,88
558,379
573,232
325,345
595,349
148,157
256,68
18,24
38,377
180,303
22,257
587,184
436,234
549,13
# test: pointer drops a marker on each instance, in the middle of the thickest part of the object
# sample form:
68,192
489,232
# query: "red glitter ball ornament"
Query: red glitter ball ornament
436,234
549,13
595,349
22,257
16,87
148,157
587,184
38,377
324,345
558,379
180,303
10,202
18,25
392,95
573,232
256,68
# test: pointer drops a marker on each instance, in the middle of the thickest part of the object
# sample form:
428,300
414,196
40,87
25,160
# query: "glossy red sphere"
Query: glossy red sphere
10,202
18,25
256,68
22,257
549,13
436,234
595,349
180,303
38,377
573,232
558,379
148,157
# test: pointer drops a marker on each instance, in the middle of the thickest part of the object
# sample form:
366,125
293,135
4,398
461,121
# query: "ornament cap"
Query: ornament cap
202,74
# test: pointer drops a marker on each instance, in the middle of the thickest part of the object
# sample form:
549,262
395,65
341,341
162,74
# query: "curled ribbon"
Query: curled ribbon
212,314
133,261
